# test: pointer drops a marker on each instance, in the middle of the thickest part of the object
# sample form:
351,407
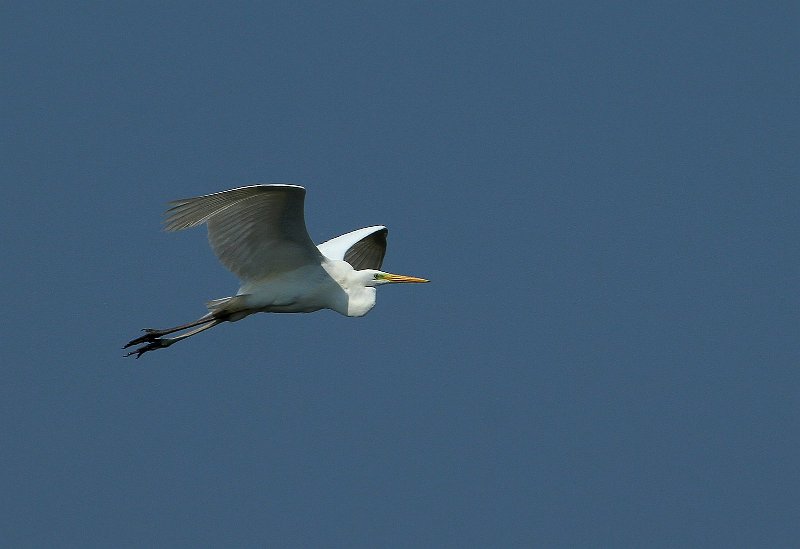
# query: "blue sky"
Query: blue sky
604,196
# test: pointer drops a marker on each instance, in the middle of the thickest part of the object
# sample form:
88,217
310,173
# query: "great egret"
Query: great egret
259,233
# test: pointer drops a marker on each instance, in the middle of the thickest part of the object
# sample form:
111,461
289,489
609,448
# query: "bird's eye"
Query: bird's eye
376,276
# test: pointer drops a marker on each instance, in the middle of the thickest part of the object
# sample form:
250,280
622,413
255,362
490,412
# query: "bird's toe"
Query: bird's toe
149,346
150,335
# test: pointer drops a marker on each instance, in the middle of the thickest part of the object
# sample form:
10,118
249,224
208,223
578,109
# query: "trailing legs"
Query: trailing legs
152,339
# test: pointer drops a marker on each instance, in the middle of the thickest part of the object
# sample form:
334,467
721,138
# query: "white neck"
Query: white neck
355,299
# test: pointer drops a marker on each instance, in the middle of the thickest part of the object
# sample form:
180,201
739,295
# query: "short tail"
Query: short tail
229,308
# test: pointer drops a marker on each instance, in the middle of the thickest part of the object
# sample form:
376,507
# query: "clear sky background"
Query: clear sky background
605,196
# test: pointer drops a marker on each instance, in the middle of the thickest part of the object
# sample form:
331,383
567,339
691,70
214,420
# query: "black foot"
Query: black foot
150,334
153,345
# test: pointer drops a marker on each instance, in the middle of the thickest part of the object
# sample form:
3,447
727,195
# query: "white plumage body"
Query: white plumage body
309,289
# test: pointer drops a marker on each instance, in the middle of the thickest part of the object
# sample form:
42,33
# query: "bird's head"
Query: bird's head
372,278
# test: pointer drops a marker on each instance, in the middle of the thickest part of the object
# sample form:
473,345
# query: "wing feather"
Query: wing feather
256,231
363,248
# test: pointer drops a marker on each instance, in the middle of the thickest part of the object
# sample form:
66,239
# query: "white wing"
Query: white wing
256,231
363,248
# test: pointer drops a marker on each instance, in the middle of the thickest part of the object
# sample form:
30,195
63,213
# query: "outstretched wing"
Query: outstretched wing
363,249
255,231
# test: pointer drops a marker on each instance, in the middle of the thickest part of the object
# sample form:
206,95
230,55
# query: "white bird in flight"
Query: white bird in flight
259,233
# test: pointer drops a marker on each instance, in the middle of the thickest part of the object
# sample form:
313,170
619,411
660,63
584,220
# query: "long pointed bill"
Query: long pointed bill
403,278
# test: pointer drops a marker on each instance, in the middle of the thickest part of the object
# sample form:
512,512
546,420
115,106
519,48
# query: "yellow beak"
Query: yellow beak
403,278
